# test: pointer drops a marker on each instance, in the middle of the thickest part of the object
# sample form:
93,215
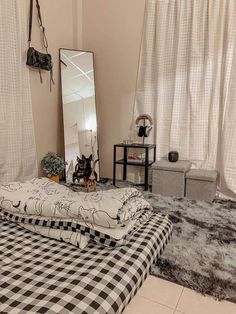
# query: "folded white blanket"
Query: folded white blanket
74,238
105,216
43,197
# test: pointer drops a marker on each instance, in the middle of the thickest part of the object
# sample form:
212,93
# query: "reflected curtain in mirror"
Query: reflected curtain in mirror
79,111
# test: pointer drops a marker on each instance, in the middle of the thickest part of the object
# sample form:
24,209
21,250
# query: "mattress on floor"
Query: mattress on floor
41,275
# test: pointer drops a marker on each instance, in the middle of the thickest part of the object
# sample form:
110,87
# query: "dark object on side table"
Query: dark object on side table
173,156
146,164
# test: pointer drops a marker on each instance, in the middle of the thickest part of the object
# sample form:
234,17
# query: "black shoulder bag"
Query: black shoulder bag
36,59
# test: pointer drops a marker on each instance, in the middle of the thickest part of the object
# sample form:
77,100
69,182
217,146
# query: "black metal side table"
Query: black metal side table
125,162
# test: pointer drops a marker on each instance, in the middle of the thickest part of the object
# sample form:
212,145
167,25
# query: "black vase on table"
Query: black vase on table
173,156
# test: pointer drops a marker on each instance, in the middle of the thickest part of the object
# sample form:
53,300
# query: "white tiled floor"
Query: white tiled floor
158,296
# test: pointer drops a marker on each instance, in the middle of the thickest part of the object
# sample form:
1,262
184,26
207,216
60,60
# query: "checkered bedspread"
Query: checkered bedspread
41,275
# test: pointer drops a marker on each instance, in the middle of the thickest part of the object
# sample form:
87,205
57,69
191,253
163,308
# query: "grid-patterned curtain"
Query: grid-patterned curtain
17,142
187,82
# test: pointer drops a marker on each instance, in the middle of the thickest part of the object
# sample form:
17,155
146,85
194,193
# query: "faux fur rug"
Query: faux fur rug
202,252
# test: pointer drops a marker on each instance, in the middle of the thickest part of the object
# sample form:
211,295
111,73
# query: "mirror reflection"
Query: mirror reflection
79,114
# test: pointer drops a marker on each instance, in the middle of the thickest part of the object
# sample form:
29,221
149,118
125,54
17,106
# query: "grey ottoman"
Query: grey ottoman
201,184
168,178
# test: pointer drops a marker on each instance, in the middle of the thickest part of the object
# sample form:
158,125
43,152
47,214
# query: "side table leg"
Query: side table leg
146,170
125,165
114,166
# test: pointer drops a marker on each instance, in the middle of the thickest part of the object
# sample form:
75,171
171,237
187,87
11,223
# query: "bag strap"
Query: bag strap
44,38
30,21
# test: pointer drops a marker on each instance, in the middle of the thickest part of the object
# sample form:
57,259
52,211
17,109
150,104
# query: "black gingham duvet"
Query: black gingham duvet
41,275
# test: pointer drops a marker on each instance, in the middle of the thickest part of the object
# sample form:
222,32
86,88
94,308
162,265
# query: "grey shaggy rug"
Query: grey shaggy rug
202,252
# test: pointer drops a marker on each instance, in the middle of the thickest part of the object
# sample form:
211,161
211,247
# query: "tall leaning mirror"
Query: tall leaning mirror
79,114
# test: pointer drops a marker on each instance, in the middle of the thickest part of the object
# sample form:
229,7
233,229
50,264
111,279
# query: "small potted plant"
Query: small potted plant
53,165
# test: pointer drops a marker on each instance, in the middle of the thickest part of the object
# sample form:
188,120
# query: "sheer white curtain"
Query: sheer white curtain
17,142
187,82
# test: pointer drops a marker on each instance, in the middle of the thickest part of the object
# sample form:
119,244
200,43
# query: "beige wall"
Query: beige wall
63,30
112,29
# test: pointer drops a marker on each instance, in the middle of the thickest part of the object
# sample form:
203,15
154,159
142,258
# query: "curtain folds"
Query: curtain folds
187,82
17,142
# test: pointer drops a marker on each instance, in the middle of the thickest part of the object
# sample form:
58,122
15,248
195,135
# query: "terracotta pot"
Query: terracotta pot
54,178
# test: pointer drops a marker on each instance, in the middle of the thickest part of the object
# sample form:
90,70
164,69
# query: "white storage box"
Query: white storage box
201,184
168,178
